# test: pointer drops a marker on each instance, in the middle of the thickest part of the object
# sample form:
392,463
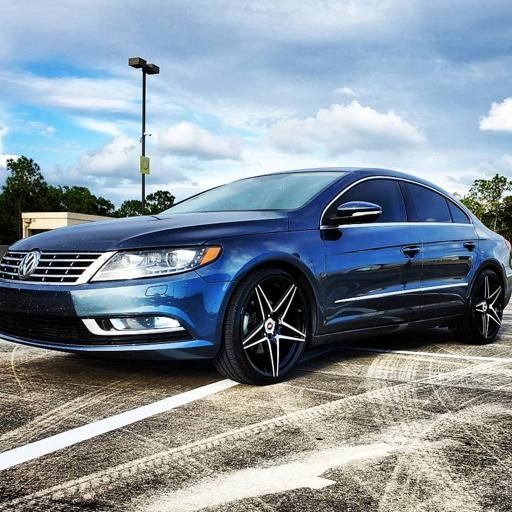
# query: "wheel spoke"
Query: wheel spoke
485,325
283,316
269,345
290,338
285,296
493,315
285,324
265,299
495,296
257,342
486,292
278,360
263,317
251,336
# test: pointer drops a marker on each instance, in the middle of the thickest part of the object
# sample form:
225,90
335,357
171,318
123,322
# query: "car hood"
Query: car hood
155,231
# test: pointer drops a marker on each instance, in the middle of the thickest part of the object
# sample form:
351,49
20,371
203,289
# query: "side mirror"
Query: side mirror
356,212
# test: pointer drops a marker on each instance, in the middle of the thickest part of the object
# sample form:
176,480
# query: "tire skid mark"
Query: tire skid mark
477,439
422,466
421,461
110,477
56,416
13,368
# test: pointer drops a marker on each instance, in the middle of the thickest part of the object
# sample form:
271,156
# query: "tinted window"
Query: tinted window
285,191
457,214
425,205
385,193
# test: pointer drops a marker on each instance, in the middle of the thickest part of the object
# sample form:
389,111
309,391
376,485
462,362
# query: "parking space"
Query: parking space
416,421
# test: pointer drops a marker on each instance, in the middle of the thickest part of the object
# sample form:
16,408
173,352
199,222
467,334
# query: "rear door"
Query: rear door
449,249
370,266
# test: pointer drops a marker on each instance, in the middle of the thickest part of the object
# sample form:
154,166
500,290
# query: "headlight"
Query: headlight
158,262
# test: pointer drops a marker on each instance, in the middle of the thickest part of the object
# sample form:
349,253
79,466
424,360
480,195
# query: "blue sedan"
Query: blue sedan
252,273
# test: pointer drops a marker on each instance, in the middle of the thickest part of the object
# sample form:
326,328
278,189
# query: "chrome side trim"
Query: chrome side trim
400,292
378,224
94,328
346,189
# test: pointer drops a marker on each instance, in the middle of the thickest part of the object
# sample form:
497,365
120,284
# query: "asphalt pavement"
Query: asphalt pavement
415,421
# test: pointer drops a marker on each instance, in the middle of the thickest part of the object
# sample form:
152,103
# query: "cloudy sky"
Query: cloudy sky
248,87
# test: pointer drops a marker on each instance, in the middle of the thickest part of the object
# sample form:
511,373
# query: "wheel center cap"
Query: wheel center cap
270,326
484,307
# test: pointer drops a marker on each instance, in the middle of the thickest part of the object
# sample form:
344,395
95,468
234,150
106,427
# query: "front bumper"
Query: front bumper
50,316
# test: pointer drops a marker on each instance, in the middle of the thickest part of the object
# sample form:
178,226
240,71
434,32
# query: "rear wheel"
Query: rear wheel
483,317
266,328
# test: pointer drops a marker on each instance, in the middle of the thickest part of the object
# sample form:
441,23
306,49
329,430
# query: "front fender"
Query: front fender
241,255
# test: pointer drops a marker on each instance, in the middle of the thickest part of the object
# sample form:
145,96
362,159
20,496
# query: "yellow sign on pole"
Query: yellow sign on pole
145,167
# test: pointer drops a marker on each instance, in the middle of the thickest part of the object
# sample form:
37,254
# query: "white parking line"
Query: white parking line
74,436
427,354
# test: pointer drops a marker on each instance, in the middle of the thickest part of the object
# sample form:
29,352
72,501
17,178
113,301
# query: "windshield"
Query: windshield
272,192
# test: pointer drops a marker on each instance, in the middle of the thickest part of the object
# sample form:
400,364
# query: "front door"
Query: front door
373,271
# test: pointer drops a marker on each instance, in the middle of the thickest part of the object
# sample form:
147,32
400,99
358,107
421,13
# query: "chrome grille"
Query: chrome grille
53,267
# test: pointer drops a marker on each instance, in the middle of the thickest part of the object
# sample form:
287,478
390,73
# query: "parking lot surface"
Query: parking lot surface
416,421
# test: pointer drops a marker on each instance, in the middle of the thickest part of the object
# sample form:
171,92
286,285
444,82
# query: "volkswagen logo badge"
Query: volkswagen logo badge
29,264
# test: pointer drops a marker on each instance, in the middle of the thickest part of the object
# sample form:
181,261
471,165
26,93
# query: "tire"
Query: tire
266,328
484,313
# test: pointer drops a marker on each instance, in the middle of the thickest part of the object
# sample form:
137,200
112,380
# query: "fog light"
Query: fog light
132,325
144,322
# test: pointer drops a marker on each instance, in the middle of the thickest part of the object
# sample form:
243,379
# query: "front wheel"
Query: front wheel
267,326
484,313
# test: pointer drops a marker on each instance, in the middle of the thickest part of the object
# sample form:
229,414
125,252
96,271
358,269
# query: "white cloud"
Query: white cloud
43,129
344,91
344,128
499,117
95,125
3,133
3,160
87,32
314,20
188,139
114,167
4,157
118,157
73,94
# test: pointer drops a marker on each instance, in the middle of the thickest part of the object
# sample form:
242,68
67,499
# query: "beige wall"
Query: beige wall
45,221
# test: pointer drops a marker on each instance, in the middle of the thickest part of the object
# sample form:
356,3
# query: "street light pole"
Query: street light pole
147,69
143,138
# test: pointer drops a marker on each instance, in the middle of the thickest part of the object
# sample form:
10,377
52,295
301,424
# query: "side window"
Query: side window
458,215
385,193
425,205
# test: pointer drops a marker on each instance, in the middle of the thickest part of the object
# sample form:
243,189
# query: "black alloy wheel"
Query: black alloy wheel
266,329
483,319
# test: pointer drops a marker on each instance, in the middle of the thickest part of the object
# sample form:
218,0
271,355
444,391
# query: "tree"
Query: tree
159,201
485,199
25,190
156,203
506,218
130,208
81,200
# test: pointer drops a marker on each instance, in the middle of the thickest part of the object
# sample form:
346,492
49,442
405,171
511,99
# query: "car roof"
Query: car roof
348,170
361,172
356,173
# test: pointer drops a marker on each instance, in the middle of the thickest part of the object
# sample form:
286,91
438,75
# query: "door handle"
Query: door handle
411,250
469,245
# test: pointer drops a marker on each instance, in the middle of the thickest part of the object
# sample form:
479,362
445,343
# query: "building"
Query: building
39,222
